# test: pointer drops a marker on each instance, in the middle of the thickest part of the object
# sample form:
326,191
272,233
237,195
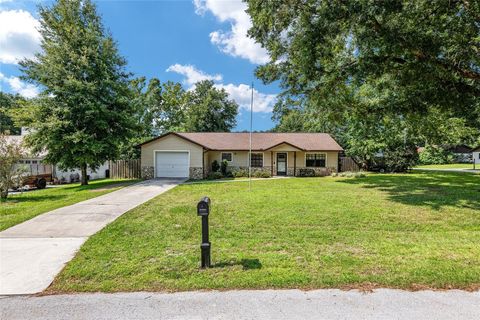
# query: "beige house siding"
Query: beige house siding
332,158
171,143
201,161
240,159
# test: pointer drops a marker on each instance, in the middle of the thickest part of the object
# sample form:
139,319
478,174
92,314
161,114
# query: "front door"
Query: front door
281,164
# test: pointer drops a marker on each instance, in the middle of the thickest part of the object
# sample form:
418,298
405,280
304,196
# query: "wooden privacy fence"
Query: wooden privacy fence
348,164
125,169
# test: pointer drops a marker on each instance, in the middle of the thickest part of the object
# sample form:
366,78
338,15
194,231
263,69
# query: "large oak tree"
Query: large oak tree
84,112
351,67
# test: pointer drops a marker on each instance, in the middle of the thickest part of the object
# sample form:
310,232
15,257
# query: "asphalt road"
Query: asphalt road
258,304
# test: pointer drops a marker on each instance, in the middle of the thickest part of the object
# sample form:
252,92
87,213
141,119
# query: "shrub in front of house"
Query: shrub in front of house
261,174
350,174
240,173
214,175
224,167
215,166
306,172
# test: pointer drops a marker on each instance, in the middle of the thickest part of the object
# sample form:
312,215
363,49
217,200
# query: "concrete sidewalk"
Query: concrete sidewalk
33,252
257,304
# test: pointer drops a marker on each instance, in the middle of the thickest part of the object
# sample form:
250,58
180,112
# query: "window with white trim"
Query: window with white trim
227,156
256,160
316,160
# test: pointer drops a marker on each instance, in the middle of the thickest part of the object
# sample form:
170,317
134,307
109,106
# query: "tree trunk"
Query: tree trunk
84,180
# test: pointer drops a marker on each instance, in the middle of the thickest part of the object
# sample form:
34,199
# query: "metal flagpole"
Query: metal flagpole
250,153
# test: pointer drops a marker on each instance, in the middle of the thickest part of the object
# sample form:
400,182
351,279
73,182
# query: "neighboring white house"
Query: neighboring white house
36,165
100,173
476,158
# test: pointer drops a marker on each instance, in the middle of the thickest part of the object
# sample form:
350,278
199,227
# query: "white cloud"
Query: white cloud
26,90
242,94
234,42
239,93
19,36
192,75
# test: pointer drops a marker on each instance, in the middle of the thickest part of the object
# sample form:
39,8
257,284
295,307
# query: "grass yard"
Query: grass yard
24,206
408,231
447,166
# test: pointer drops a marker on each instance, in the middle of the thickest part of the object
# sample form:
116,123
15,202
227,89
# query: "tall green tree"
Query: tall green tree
208,109
425,52
9,103
369,71
84,112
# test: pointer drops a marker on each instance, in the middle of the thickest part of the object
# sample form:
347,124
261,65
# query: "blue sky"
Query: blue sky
182,41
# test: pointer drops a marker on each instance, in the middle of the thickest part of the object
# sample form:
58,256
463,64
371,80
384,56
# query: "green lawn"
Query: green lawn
394,230
24,206
447,166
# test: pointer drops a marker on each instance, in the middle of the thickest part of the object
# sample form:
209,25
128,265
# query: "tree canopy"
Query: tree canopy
209,109
167,107
9,103
428,52
84,112
355,66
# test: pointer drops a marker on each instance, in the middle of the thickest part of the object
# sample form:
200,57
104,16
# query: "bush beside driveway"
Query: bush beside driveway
409,231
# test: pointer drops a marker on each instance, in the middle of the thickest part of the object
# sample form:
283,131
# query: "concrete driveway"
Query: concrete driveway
249,304
449,170
33,252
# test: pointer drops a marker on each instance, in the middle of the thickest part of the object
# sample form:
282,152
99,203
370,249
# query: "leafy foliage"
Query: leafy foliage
167,107
84,112
215,166
262,174
358,69
433,154
10,172
9,103
224,167
426,52
209,109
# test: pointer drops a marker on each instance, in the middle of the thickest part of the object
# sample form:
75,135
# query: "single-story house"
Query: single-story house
192,154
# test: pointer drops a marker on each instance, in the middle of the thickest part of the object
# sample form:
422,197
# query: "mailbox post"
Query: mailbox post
203,210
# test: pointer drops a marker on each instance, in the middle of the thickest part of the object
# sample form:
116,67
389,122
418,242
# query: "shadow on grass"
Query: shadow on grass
247,264
95,184
433,189
26,197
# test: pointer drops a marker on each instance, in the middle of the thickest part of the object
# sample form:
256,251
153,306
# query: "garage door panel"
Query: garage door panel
172,164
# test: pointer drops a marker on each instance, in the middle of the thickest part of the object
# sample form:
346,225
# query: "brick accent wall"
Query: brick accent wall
196,173
147,172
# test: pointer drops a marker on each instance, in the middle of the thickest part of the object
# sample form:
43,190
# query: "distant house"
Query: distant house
476,157
283,154
36,166
461,153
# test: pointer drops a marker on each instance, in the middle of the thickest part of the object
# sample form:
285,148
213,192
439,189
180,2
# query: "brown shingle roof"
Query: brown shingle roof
260,141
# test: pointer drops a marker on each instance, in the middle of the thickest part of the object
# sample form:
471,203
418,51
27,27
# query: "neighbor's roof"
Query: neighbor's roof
260,140
477,149
19,140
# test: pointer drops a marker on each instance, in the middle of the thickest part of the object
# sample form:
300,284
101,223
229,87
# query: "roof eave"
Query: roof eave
172,133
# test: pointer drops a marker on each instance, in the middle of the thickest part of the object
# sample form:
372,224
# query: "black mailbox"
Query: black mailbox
203,206
203,209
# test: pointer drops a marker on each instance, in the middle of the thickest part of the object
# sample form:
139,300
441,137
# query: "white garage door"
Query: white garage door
172,164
